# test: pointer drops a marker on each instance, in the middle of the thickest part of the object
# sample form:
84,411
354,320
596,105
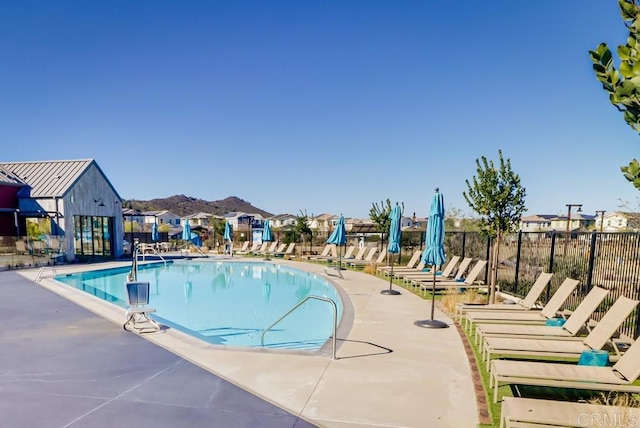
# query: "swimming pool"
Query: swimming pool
227,303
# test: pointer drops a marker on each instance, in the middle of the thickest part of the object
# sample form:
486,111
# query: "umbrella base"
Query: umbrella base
431,324
390,292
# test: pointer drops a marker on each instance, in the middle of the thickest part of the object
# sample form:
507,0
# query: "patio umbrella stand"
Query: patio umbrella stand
395,237
434,254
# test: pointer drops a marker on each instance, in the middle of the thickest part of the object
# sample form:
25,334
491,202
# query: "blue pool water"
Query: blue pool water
227,303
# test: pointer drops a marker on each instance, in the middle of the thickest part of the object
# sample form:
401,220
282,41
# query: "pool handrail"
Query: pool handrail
334,308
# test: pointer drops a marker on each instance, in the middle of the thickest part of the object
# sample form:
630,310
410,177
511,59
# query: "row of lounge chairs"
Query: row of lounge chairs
267,249
453,276
364,256
519,333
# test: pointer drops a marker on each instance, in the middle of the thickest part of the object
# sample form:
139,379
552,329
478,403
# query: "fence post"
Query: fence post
464,243
515,280
490,261
553,250
592,253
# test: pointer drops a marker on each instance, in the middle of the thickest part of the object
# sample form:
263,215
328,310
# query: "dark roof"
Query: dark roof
363,228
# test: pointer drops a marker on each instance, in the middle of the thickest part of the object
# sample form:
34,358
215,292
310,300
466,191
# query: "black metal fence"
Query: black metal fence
607,260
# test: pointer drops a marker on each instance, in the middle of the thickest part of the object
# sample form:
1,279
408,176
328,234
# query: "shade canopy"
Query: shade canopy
433,253
267,236
155,236
228,232
395,231
339,234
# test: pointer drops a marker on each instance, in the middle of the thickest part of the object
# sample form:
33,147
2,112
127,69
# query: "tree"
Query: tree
302,229
380,216
623,83
498,197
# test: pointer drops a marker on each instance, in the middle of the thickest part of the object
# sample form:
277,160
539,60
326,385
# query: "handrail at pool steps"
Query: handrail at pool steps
334,308
155,253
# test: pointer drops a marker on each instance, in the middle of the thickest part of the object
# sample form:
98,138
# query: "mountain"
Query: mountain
184,205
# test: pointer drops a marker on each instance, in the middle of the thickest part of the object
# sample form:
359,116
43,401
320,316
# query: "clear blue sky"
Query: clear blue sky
324,106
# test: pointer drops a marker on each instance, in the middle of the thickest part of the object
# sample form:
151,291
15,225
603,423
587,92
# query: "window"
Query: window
93,235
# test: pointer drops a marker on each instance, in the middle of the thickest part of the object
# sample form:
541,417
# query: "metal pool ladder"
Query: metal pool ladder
334,308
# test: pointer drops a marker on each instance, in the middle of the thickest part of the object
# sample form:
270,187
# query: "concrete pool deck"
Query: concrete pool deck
388,372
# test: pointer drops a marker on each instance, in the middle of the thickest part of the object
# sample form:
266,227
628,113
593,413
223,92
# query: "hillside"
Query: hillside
184,205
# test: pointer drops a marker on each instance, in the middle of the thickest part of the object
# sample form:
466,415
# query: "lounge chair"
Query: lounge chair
254,247
331,255
288,252
21,247
365,261
349,253
525,304
416,277
262,249
386,270
470,281
619,377
601,334
244,248
549,310
280,249
530,412
570,328
446,274
138,313
361,253
324,253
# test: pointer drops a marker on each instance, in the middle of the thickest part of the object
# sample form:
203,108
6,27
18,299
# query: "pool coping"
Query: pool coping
379,378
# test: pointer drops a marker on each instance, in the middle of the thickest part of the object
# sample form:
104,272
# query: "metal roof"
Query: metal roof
48,178
9,178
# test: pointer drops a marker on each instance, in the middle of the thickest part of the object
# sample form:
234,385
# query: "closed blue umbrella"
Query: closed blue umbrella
228,232
339,237
395,239
155,236
186,231
228,236
267,236
433,253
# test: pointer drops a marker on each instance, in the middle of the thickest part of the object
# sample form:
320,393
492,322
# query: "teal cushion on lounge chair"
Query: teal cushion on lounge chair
459,279
555,322
594,357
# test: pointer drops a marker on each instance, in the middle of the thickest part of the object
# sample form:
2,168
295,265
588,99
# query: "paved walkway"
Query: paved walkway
389,373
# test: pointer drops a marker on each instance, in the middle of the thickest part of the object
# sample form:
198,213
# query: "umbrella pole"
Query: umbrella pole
390,291
432,323
433,293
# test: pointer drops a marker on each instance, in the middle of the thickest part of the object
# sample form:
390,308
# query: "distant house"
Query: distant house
323,223
537,223
578,222
618,221
75,199
133,216
283,220
552,222
199,219
161,217
413,223
246,226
